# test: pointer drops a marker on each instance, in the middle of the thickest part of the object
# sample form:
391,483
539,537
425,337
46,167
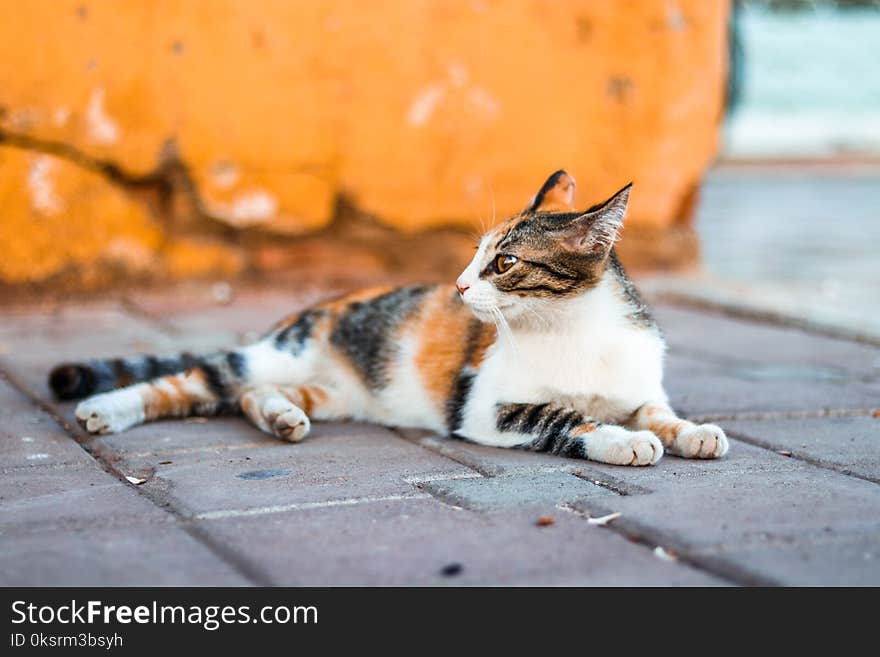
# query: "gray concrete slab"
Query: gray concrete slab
337,462
671,471
519,490
756,513
711,336
29,437
411,542
701,388
825,559
134,555
849,444
45,498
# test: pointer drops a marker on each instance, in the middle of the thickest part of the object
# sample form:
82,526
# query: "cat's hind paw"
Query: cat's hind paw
110,412
704,441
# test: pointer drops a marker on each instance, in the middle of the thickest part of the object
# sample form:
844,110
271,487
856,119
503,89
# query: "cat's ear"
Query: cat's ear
555,195
596,230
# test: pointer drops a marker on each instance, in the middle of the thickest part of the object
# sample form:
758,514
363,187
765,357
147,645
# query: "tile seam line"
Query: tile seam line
762,317
645,536
101,455
651,538
816,463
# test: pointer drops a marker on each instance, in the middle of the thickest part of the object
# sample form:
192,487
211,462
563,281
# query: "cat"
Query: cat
542,344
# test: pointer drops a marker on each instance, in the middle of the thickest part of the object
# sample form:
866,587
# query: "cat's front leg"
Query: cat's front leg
681,437
565,431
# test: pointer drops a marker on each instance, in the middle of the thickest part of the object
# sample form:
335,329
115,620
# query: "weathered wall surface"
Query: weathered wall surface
133,134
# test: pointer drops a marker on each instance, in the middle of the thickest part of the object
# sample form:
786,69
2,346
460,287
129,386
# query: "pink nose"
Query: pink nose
461,286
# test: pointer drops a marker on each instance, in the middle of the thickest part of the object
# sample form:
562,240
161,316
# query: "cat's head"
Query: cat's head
548,253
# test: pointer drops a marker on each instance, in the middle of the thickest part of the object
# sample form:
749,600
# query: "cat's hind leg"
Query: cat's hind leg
565,431
681,437
284,411
177,395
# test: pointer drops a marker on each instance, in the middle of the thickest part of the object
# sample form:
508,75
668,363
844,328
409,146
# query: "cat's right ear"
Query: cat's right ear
597,229
555,195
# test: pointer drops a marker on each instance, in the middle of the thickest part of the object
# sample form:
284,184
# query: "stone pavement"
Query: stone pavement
216,502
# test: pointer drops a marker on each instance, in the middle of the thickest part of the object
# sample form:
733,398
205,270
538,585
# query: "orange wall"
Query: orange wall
423,112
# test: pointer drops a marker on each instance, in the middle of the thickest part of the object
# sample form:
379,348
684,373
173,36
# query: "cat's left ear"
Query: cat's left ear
555,195
597,229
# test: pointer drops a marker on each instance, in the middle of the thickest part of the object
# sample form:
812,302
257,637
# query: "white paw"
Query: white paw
705,441
110,412
286,420
621,447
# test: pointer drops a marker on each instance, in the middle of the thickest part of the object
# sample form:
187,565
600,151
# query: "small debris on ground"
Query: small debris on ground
604,520
451,570
664,554
784,452
544,521
165,462
876,413
137,481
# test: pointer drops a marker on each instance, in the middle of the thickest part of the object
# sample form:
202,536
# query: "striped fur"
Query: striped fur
543,344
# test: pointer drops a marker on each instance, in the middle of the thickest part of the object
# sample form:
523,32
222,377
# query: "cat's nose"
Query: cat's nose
461,286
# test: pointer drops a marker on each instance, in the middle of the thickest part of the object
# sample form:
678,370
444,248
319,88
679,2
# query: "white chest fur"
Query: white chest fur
594,359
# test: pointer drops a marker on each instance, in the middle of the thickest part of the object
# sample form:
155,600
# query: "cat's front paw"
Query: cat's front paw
622,447
704,441
111,412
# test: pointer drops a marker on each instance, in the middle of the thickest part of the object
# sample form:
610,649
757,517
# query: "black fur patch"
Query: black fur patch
365,331
72,381
294,336
237,364
457,401
461,388
548,426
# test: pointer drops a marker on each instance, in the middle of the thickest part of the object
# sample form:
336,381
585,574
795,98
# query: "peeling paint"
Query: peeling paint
102,129
131,253
423,105
483,101
225,174
247,208
61,115
41,187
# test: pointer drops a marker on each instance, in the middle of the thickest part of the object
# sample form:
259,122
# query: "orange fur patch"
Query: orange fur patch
587,427
442,329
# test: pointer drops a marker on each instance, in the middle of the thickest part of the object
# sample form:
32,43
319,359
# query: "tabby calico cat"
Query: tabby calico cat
542,344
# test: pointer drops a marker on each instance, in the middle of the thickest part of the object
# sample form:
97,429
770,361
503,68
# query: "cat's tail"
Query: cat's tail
78,380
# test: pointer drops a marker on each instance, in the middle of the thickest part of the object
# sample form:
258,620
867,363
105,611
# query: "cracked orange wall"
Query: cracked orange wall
423,112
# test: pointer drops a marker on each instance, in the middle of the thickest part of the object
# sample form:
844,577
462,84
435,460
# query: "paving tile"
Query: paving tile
337,461
523,490
409,543
771,513
671,471
41,498
29,437
830,559
851,444
698,388
174,436
154,555
33,343
711,335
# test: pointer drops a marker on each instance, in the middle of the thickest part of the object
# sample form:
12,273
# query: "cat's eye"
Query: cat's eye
505,262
